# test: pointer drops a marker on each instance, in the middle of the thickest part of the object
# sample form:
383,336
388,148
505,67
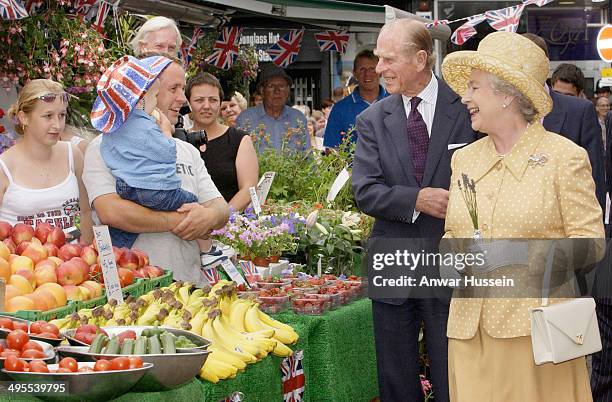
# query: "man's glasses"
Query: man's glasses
50,98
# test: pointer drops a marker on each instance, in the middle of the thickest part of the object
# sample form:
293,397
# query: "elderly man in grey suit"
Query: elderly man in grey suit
401,177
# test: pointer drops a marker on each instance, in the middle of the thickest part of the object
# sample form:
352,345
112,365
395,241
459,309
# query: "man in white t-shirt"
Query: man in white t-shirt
167,237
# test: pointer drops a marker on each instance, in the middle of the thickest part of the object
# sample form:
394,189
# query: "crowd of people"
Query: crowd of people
491,116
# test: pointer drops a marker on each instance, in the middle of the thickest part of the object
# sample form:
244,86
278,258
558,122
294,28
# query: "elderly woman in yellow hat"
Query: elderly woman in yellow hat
529,183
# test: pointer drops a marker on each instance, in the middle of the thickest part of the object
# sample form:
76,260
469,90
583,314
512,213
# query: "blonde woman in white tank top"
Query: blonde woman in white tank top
40,176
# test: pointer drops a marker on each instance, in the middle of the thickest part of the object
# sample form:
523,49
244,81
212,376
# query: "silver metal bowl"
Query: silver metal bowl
170,371
4,332
201,343
69,335
93,386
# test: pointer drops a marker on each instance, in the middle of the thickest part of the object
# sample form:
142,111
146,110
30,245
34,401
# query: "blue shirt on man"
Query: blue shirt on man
343,115
140,154
290,127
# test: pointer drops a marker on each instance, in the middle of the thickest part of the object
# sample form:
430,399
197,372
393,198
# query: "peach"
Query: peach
85,293
21,247
56,260
11,291
46,263
57,237
4,251
42,231
69,273
68,251
29,275
94,287
21,262
45,274
36,252
22,232
5,270
117,252
6,229
56,290
73,292
89,255
21,283
10,244
39,302
129,260
52,249
47,296
153,271
83,266
19,303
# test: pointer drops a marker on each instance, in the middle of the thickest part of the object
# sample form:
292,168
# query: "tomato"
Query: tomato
35,326
86,369
16,339
135,362
47,335
88,329
21,325
50,328
102,365
129,334
13,363
120,363
69,363
126,277
32,345
6,323
33,354
26,366
38,367
89,338
9,352
1,348
63,370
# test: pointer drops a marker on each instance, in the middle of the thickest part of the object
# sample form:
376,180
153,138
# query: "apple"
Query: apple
83,266
21,247
46,263
143,258
4,251
140,273
56,260
6,229
69,273
52,249
85,292
45,274
57,237
42,231
94,287
117,252
29,275
22,232
57,290
73,292
89,255
21,262
128,260
21,283
19,303
153,271
36,252
67,251
10,244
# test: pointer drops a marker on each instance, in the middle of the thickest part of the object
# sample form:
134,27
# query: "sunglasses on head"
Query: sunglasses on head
50,98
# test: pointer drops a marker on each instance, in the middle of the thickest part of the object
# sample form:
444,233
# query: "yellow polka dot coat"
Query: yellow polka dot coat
551,196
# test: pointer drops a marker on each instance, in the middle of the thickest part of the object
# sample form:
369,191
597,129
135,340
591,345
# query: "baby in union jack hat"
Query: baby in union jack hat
137,147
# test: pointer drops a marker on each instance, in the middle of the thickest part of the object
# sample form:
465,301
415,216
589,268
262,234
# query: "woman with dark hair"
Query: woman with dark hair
230,155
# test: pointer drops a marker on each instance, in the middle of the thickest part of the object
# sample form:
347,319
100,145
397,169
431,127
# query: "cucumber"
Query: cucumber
154,345
113,346
167,340
140,346
98,343
128,347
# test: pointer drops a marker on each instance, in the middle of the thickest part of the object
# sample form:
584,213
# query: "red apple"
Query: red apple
143,258
94,287
29,275
22,232
153,271
42,231
117,252
45,273
52,249
46,263
129,260
21,247
35,251
83,266
89,255
6,229
140,273
69,273
68,251
73,292
57,237
10,244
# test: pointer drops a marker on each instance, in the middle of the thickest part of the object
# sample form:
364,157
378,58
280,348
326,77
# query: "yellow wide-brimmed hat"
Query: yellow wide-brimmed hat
508,56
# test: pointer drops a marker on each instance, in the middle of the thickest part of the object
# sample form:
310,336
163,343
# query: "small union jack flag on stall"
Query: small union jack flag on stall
12,10
186,51
248,267
538,3
333,40
103,10
293,378
286,50
506,19
225,49
467,30
212,275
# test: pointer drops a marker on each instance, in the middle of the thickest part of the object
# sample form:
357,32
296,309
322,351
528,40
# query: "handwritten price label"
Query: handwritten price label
232,272
255,200
263,187
107,263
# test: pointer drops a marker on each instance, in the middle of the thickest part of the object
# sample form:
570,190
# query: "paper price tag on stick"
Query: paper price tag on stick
255,200
107,263
232,272
264,185
338,184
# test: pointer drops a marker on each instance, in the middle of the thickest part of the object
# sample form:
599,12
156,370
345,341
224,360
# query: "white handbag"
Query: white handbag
563,331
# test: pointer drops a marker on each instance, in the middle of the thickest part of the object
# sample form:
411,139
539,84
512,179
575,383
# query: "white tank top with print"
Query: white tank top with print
58,205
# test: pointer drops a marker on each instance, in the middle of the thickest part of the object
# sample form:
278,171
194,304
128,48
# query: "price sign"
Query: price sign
263,187
255,200
338,184
233,273
107,263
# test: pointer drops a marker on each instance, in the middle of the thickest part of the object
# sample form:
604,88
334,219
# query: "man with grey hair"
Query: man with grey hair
401,176
158,34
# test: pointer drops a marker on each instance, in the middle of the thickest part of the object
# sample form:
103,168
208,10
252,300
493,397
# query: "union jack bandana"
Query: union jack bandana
121,87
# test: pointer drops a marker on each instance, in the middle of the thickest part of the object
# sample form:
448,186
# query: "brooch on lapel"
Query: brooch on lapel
537,160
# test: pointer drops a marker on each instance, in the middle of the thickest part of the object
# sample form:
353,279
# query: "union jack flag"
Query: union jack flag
293,377
538,3
333,40
436,23
248,267
33,5
84,8
186,51
212,275
103,10
467,30
286,50
225,49
505,19
12,10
